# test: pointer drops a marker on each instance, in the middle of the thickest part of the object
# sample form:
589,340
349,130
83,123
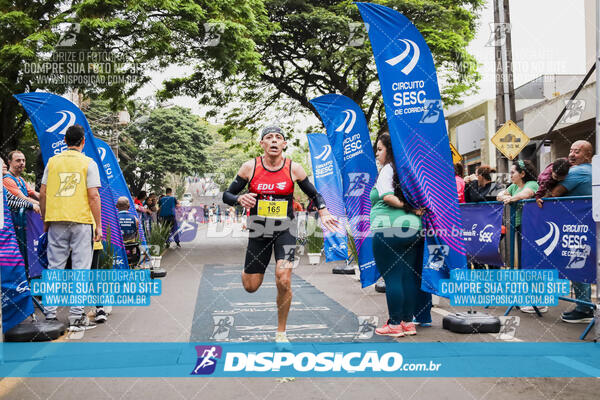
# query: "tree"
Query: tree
169,140
116,44
308,54
228,155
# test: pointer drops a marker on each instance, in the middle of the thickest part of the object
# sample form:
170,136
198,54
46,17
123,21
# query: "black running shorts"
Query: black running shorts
260,249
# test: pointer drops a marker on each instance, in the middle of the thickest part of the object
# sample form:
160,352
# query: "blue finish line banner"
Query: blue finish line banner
419,138
482,232
329,184
304,360
562,235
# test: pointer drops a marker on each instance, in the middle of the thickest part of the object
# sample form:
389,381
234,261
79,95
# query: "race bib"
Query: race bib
272,209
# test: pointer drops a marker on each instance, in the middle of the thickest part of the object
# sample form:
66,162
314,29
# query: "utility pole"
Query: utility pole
505,92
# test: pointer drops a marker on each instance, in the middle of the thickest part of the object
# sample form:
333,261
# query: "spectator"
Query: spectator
206,214
151,204
460,182
13,181
578,183
70,205
552,175
166,213
524,185
144,213
479,187
398,248
128,221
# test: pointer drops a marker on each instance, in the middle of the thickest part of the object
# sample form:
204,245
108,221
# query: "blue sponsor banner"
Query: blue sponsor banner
51,116
328,181
561,235
302,360
482,231
116,180
348,134
416,123
16,296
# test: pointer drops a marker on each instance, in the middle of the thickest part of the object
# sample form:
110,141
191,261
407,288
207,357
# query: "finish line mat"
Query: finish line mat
226,312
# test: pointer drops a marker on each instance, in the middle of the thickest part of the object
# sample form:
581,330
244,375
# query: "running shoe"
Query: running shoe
408,328
578,317
101,315
390,330
283,343
423,324
81,323
530,309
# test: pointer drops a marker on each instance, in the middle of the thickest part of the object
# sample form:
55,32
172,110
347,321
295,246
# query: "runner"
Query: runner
271,180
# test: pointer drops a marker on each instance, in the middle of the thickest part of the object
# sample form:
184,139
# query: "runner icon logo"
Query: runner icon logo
207,359
223,324
366,326
433,110
358,183
414,59
437,256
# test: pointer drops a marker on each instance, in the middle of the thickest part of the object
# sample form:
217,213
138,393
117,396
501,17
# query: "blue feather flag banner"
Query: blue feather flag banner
348,134
51,116
329,184
420,141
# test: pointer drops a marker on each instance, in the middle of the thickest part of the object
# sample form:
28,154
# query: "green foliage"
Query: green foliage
107,255
157,238
139,35
229,151
169,140
352,246
307,54
314,240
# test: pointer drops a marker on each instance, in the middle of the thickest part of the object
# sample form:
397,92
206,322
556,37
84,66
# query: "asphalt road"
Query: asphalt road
178,316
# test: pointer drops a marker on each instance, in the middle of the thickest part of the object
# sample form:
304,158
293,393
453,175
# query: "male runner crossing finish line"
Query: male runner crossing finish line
271,190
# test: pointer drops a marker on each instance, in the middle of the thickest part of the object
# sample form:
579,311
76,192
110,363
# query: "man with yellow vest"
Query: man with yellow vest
70,204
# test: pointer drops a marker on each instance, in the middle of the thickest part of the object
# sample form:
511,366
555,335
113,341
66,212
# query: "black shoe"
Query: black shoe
578,317
380,286
178,246
566,313
101,316
52,319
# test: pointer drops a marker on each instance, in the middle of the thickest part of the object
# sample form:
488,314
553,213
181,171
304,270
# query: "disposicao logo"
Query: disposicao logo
64,114
320,362
413,61
207,359
552,236
350,120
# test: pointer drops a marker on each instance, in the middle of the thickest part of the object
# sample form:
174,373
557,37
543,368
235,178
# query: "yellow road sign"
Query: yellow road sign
510,140
456,157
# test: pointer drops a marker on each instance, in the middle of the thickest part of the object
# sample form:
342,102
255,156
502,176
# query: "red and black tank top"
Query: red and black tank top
273,189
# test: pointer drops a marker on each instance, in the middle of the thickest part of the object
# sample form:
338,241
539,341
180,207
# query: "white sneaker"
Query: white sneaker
283,343
530,310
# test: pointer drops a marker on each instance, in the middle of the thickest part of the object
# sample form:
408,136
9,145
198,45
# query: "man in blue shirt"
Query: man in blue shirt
128,221
578,183
166,214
